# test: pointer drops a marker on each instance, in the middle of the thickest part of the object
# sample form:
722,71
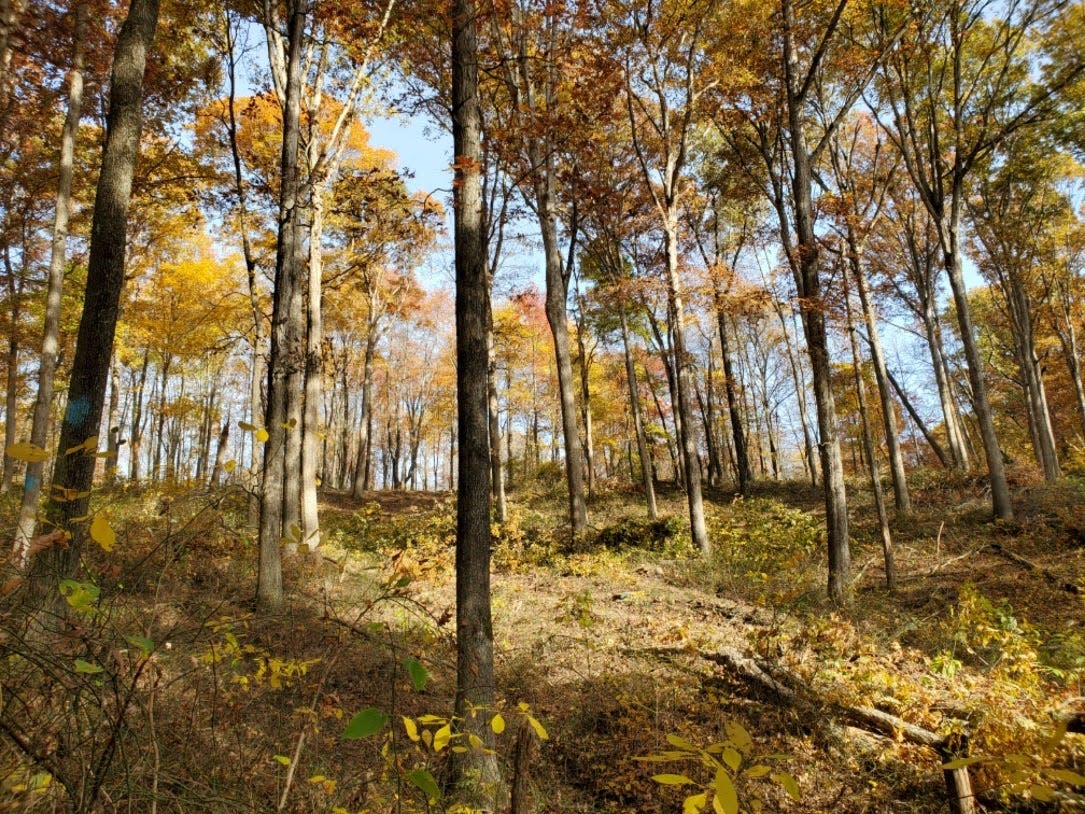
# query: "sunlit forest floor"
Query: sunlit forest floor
167,693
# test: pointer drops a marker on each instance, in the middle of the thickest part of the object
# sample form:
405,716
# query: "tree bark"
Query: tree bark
287,360
811,307
638,423
73,473
475,772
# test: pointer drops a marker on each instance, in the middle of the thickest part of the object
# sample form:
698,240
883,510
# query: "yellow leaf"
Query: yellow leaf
30,453
497,724
230,466
262,435
695,803
411,727
441,737
539,729
101,533
246,426
672,779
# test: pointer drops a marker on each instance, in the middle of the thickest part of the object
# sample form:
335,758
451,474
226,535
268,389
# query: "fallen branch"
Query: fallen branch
958,783
1029,565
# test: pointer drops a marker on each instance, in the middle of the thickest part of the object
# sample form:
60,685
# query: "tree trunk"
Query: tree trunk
287,360
811,307
220,454
11,403
557,292
1000,490
73,473
901,497
314,377
365,415
868,445
475,772
638,423
675,311
585,401
738,435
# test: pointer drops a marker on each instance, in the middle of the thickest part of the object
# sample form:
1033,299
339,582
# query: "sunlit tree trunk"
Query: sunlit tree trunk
638,424
287,361
808,281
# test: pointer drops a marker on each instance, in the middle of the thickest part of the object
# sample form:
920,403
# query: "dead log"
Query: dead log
775,680
1029,565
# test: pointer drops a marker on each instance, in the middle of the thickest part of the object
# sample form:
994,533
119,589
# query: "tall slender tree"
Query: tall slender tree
475,772
73,471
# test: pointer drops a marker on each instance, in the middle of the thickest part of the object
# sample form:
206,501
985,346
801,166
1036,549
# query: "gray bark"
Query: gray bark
475,772
287,361
73,473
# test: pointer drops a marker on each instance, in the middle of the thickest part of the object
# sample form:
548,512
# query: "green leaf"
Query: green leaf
81,596
419,675
141,643
672,779
30,453
725,800
423,780
787,783
365,723
760,770
86,667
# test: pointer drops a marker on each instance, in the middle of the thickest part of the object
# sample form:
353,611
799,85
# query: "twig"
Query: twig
291,769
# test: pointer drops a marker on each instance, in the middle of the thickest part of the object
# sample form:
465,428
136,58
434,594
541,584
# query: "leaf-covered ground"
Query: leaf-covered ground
611,645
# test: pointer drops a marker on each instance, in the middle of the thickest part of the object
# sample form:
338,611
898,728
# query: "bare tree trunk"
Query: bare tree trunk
868,446
927,434
137,420
638,424
286,365
901,497
475,772
585,399
675,312
557,292
1000,490
73,473
738,434
808,282
11,404
496,470
314,377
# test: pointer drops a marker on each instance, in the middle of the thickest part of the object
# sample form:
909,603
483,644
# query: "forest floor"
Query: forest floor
168,693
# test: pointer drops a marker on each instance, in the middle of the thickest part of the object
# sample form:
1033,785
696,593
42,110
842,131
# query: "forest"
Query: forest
708,437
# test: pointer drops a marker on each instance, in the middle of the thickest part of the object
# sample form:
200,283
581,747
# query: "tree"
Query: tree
32,479
475,771
73,471
955,89
286,364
